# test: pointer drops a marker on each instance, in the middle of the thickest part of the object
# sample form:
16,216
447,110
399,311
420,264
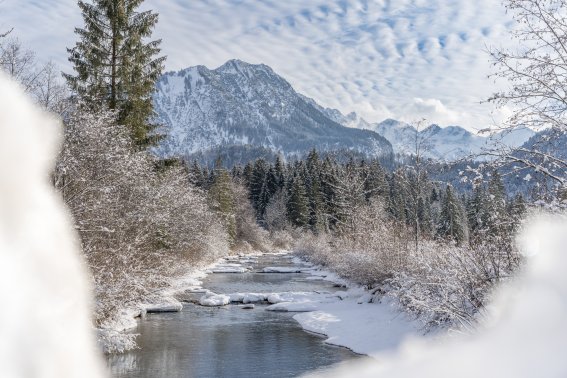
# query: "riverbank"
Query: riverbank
115,335
248,336
350,316
364,321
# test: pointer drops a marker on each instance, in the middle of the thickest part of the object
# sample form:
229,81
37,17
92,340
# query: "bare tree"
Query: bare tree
51,93
43,82
20,64
421,144
536,72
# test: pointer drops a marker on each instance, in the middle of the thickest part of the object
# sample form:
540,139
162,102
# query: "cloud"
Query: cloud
344,53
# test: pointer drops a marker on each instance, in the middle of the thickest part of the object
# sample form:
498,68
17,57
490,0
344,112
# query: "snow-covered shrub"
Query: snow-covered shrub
282,239
249,235
449,286
371,252
139,225
439,282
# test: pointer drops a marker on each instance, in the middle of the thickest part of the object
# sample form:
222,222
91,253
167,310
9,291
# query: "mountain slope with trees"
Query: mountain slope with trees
240,105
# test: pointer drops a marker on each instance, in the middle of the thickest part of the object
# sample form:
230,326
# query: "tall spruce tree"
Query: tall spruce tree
115,67
221,197
298,203
453,223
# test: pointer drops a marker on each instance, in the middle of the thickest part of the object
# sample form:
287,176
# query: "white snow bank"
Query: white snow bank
285,269
525,335
125,320
248,297
169,305
228,268
294,306
364,328
213,300
299,296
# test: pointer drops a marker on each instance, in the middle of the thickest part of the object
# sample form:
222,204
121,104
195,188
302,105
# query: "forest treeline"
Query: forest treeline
383,228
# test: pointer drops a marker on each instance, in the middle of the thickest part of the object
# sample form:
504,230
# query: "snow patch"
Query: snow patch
214,300
285,269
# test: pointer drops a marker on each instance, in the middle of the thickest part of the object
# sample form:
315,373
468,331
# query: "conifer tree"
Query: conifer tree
115,67
376,183
453,224
476,208
196,175
258,187
298,206
496,217
222,200
279,172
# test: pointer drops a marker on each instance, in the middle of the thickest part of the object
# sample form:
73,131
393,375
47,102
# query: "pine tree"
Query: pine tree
496,217
424,216
329,193
222,200
115,67
476,208
258,187
376,184
279,172
298,206
453,223
196,175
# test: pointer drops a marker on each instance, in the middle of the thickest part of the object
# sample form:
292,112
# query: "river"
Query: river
230,341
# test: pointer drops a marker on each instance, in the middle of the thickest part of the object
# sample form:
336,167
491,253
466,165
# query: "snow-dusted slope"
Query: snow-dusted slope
442,143
241,104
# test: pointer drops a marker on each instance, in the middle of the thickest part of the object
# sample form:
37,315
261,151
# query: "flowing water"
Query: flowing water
230,341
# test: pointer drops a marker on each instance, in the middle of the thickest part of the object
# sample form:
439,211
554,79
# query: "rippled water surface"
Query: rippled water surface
230,341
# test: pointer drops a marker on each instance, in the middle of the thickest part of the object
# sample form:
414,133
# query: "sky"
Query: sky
401,59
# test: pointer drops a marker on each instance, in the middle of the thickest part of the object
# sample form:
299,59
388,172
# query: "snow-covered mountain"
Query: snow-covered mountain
242,104
441,143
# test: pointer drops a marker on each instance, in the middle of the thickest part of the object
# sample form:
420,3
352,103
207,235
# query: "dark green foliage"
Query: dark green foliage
258,186
325,194
115,67
453,223
298,205
222,200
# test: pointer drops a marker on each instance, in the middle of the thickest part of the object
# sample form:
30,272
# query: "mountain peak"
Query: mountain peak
244,104
239,66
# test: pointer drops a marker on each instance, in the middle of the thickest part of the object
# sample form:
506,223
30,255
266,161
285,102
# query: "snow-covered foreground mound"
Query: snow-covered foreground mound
44,286
526,335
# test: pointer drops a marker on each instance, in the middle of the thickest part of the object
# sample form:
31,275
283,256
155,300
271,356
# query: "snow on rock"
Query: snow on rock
126,320
213,300
229,268
248,297
291,297
164,305
294,306
285,269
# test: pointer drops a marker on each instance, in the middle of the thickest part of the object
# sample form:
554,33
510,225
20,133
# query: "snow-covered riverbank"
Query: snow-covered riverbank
363,321
352,317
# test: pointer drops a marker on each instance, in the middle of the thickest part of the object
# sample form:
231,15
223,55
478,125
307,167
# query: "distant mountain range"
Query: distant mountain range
247,107
249,110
